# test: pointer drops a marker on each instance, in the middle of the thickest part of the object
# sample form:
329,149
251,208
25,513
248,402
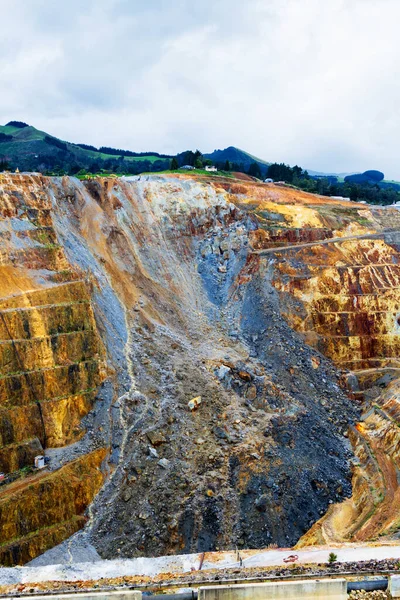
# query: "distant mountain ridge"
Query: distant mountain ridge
24,147
372,177
322,174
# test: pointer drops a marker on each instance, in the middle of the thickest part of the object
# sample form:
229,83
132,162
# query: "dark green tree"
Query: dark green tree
227,166
95,167
323,186
74,168
281,172
353,193
332,558
19,124
188,158
254,170
174,164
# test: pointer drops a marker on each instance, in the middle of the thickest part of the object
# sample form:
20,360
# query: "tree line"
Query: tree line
59,159
373,193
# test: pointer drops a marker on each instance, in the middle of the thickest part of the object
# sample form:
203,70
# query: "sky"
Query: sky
308,82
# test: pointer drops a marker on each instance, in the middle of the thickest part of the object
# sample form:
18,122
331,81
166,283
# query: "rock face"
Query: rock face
342,294
47,508
180,326
51,364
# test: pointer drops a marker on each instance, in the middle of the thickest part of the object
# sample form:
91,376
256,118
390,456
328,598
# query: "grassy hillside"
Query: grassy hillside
239,158
30,149
24,147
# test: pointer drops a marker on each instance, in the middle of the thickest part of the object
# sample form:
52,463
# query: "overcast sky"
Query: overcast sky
312,82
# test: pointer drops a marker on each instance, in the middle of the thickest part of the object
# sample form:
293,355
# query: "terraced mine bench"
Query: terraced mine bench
51,361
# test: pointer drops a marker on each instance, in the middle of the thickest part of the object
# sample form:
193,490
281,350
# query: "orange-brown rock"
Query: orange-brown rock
338,278
165,279
51,364
44,509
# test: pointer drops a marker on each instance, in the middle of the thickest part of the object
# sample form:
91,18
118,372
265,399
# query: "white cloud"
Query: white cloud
301,81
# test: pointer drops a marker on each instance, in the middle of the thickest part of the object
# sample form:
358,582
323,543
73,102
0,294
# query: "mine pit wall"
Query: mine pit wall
49,355
344,299
177,253
51,366
165,257
171,272
350,311
343,296
39,516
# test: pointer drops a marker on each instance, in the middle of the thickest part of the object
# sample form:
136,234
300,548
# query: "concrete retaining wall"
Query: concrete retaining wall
394,586
328,589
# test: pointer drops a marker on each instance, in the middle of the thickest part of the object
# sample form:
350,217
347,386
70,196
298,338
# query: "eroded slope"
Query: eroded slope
203,320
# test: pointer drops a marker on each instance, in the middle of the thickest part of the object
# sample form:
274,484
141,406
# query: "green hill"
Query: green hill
240,159
371,177
29,149
24,147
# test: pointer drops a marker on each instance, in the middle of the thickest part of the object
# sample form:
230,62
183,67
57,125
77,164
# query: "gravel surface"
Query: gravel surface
361,595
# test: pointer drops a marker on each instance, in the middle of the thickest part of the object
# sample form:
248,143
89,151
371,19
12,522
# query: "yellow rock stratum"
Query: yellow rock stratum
51,360
41,511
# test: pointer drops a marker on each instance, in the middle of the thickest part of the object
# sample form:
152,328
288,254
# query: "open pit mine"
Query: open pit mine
203,364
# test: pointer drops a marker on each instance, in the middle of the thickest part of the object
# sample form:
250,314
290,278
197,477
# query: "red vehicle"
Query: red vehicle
291,558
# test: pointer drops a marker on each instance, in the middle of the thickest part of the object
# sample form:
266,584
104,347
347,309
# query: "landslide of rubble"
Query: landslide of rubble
179,326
